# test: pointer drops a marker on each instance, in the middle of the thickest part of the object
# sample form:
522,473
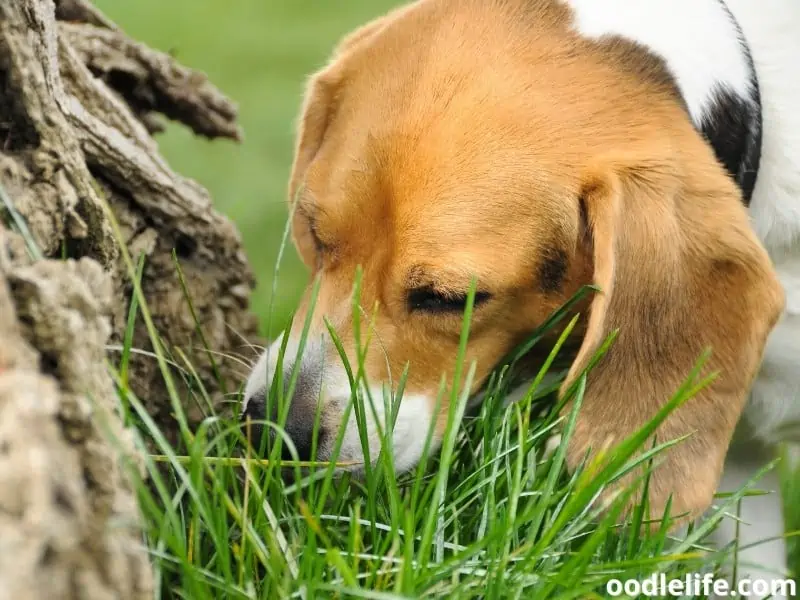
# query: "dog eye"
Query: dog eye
431,300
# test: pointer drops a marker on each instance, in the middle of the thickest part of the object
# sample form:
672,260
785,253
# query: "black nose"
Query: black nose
298,427
253,419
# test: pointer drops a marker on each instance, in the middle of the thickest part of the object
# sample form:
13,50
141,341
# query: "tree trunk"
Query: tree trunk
78,101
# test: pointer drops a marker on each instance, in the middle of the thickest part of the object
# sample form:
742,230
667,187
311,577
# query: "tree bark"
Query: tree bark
79,102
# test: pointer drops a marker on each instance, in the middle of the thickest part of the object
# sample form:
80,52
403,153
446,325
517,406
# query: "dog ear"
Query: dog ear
318,109
320,104
679,272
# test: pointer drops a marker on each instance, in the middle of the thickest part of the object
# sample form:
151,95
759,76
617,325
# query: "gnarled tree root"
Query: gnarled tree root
78,104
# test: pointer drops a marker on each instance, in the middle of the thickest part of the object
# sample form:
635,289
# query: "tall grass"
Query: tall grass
494,514
491,514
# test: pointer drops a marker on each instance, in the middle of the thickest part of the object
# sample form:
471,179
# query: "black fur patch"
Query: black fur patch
733,125
553,269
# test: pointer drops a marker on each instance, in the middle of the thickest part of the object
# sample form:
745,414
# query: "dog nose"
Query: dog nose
302,438
298,428
253,419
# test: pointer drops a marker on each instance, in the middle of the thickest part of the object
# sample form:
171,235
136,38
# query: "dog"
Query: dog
649,148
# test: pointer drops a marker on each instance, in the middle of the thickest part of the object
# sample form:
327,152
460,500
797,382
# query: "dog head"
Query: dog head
452,142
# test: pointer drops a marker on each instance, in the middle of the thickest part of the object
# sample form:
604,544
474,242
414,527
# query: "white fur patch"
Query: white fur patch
696,38
771,27
411,427
773,412
261,375
414,417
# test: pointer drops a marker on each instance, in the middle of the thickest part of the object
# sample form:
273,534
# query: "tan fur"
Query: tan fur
454,139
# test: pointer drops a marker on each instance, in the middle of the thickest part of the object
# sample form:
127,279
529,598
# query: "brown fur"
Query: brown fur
454,139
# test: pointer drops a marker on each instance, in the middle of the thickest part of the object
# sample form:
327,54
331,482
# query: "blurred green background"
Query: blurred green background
258,52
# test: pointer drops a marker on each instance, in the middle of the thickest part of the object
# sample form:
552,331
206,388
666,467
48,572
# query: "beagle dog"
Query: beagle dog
648,147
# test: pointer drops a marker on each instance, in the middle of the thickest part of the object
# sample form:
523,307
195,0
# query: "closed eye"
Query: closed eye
310,213
314,229
429,299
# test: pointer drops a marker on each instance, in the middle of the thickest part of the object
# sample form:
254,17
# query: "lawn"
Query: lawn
493,517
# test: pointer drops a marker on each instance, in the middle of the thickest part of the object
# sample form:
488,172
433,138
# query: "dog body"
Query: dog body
651,148
775,208
732,61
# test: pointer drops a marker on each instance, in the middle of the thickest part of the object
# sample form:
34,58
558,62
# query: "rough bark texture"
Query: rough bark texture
67,513
78,104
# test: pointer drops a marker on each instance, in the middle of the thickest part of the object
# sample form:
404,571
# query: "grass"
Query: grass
492,515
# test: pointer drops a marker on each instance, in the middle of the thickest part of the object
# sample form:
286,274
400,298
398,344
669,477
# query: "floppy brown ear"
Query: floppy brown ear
318,109
320,103
680,272
317,114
